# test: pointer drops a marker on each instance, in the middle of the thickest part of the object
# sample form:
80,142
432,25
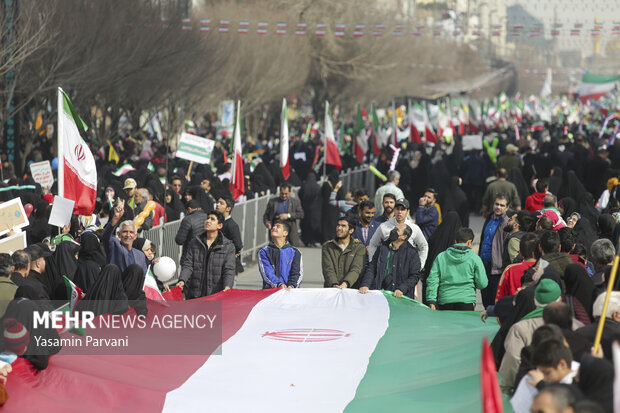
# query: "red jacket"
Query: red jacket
534,202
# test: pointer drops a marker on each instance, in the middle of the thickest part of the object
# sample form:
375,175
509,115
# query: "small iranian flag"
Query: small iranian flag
74,293
594,87
331,148
150,287
361,141
123,170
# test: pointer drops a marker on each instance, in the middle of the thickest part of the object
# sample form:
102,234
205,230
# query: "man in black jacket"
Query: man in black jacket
208,265
192,225
395,265
230,229
287,209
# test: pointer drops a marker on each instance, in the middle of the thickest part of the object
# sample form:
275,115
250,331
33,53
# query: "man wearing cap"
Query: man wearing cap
510,159
500,186
130,190
395,265
120,250
192,225
401,215
520,334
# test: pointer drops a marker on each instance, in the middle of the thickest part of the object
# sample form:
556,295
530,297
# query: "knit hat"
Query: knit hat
16,337
547,291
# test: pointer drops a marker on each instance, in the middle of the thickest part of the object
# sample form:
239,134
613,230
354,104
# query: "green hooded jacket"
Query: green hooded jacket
455,275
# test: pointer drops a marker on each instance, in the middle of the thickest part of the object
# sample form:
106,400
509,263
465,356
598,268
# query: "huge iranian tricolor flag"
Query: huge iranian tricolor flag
594,87
304,350
77,171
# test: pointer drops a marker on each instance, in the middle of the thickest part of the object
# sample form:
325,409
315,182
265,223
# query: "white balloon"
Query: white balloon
165,269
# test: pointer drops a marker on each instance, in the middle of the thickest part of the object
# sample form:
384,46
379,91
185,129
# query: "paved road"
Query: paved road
250,279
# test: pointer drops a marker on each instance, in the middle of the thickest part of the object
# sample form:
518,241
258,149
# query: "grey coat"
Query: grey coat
220,271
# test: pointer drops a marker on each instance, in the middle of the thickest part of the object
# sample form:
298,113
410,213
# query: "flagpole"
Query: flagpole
610,286
60,156
325,141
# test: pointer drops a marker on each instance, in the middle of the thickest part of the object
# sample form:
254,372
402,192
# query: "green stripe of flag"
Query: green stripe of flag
427,361
592,78
70,110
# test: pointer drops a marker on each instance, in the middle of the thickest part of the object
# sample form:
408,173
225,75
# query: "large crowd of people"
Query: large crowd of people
548,196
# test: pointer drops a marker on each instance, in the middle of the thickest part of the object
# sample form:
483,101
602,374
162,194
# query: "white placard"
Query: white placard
13,243
12,216
472,142
42,173
194,148
62,209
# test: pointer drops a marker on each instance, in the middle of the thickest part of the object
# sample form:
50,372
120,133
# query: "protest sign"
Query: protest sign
194,148
62,209
12,216
13,243
472,142
42,173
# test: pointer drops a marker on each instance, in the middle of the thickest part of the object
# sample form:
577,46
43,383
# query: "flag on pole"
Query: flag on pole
429,133
112,154
237,184
331,148
284,161
74,293
491,396
594,87
151,291
378,138
394,124
77,172
361,143
123,170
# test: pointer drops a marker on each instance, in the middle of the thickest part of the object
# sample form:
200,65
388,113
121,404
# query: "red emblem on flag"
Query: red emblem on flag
79,152
306,335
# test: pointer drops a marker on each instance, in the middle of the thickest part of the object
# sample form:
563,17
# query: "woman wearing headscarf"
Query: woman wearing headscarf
586,208
516,177
133,283
555,180
310,197
329,213
107,295
174,206
606,226
456,200
579,292
39,229
91,259
596,381
64,258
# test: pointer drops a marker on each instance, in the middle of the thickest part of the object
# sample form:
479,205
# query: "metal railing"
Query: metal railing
249,216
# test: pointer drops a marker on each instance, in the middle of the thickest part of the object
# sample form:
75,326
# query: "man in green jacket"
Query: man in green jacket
343,256
455,275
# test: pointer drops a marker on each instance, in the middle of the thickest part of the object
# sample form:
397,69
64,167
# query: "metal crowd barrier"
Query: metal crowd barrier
249,216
